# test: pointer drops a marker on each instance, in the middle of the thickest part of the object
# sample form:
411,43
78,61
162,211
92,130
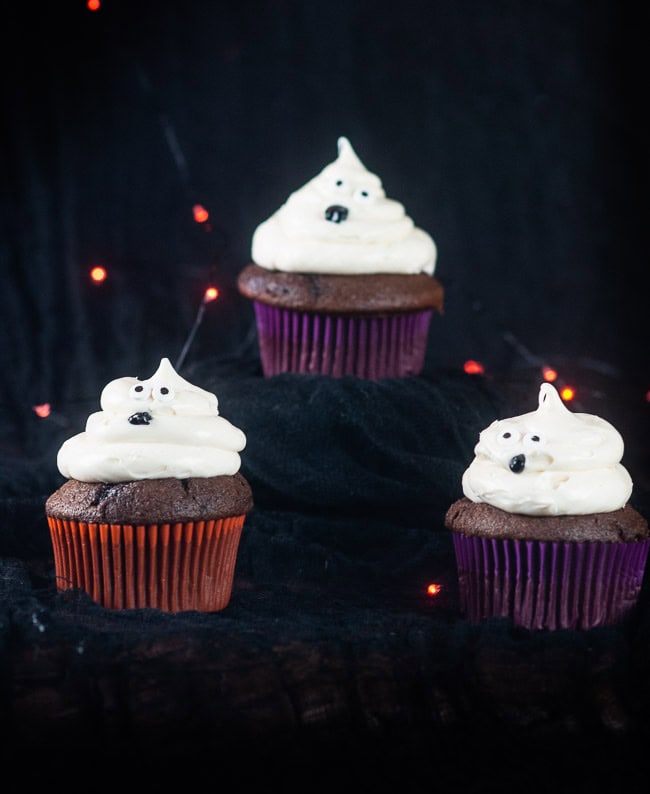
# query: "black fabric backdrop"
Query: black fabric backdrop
516,134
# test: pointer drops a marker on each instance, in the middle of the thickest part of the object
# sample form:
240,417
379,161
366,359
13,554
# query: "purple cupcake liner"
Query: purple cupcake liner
338,344
549,585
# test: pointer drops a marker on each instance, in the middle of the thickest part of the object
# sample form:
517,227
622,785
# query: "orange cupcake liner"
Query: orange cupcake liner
173,567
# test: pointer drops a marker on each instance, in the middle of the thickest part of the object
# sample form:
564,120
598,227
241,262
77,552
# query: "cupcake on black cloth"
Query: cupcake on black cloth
545,533
153,507
342,280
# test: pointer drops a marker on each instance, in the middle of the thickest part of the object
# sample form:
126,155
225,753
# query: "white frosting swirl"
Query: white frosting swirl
549,462
369,233
150,429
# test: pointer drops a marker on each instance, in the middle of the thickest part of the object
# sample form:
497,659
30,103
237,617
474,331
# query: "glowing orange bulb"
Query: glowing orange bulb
549,374
43,410
93,5
647,396
211,294
434,589
98,274
472,367
200,213
567,393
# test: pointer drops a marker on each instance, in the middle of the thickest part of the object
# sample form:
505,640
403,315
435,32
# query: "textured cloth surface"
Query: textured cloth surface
513,133
331,655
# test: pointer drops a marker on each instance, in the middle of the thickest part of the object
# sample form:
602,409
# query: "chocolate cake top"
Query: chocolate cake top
485,520
379,293
166,500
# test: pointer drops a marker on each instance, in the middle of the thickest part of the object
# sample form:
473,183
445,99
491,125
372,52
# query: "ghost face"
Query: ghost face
549,462
552,438
345,199
164,394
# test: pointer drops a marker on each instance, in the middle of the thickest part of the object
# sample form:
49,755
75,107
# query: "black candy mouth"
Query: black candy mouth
336,213
140,418
517,464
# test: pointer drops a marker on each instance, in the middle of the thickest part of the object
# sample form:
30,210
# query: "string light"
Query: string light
200,213
473,367
566,392
93,5
98,274
434,589
44,411
210,294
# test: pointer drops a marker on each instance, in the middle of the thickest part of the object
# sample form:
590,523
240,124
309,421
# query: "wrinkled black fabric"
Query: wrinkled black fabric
331,655
394,448
515,134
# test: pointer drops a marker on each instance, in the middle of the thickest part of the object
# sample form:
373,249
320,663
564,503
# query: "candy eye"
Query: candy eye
339,185
364,195
508,436
163,394
139,392
532,439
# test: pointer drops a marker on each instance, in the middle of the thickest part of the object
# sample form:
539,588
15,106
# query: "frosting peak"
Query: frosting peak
550,461
347,156
161,427
342,222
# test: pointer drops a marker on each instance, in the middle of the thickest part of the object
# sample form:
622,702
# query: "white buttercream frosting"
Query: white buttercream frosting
550,461
368,233
149,429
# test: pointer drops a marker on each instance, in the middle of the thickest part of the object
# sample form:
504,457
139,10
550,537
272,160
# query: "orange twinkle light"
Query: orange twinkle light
549,374
567,393
200,213
434,589
98,274
43,410
93,5
472,367
211,294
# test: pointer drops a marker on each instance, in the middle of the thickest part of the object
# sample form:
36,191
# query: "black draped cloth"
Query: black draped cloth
332,666
516,134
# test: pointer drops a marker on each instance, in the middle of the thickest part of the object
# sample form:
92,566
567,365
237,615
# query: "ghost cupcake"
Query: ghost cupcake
153,505
342,280
545,533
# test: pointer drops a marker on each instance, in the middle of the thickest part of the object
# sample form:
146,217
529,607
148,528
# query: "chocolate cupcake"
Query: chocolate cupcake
342,280
154,504
544,533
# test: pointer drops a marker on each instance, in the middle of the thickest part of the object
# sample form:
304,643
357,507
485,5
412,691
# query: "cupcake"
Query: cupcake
544,533
342,280
153,505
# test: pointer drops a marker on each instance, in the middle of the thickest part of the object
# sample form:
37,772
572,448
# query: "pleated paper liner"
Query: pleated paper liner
172,567
549,585
331,344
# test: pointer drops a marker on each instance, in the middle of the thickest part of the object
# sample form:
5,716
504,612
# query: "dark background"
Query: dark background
516,134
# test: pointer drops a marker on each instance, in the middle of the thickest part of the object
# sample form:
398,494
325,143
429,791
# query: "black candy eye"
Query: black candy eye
363,195
138,392
163,394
